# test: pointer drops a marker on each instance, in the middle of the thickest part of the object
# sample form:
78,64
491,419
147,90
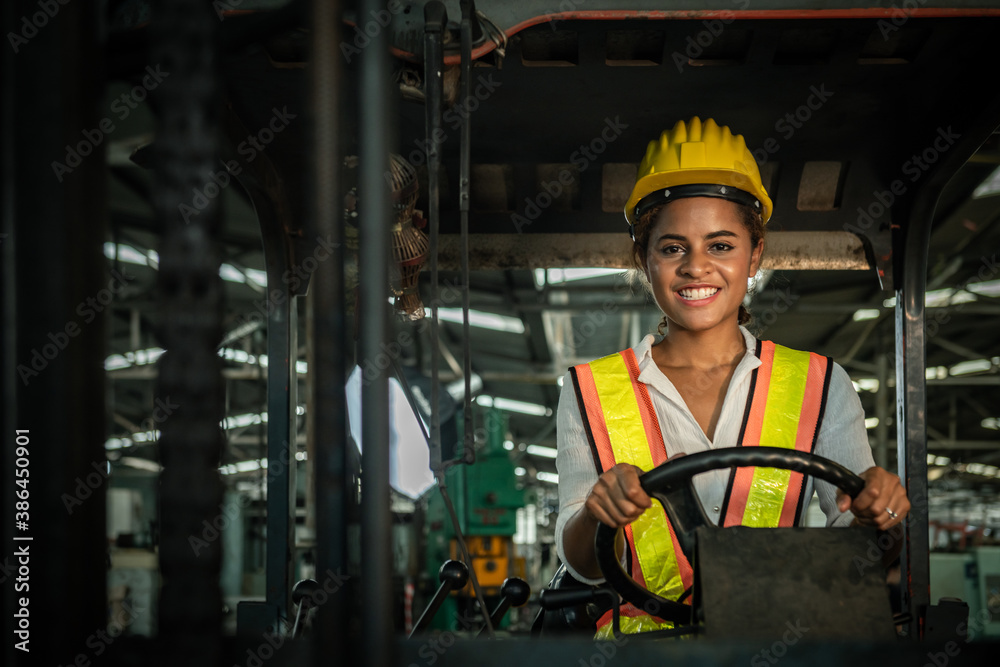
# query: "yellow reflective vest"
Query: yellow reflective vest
784,409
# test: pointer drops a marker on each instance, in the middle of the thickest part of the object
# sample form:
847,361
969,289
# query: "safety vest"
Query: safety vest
784,409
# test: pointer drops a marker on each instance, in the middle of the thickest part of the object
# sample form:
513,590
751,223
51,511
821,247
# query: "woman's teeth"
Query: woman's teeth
698,294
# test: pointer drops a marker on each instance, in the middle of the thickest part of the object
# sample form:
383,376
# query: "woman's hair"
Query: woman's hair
751,219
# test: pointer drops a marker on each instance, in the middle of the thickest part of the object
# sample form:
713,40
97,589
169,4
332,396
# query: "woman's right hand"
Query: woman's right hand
617,499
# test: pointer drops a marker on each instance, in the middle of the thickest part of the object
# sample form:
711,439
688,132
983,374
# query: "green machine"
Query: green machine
486,500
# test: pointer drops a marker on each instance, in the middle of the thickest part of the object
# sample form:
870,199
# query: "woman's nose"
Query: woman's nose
695,264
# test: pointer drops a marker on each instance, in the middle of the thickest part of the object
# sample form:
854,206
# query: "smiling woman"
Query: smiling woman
697,253
696,216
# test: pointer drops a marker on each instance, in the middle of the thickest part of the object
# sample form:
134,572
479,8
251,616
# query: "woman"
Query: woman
696,216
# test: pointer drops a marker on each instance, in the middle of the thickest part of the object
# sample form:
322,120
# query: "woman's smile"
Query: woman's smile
697,295
698,260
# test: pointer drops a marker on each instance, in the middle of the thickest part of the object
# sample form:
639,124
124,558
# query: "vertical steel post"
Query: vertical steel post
464,201
376,538
882,404
51,262
327,368
184,38
911,407
435,20
282,386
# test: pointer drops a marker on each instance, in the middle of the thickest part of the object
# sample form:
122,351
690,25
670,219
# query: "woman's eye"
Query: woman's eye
721,247
672,249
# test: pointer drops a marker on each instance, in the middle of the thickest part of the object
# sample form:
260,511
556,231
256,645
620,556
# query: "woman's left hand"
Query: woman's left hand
882,503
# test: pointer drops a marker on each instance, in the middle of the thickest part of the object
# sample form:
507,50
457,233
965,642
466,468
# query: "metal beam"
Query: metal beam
960,350
821,251
963,444
967,381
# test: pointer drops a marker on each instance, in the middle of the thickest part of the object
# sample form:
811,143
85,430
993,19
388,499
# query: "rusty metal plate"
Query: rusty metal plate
792,584
788,251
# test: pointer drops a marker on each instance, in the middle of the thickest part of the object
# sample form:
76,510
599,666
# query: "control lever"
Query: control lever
303,596
453,575
552,599
515,593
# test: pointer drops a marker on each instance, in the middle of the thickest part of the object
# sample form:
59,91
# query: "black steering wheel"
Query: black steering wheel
671,484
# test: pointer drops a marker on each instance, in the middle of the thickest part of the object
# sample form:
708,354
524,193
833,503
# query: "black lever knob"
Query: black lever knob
516,590
453,575
304,592
454,572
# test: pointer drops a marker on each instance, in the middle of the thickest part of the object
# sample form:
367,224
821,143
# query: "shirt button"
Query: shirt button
715,509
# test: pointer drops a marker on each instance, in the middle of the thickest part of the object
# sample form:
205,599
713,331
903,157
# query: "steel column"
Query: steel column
882,404
282,385
435,20
375,128
51,261
184,38
911,413
327,404
464,203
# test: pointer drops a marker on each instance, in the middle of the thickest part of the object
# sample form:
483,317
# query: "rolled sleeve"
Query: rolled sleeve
842,438
575,465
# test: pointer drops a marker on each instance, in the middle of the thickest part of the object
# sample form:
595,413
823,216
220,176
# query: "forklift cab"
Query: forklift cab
748,581
855,145
522,124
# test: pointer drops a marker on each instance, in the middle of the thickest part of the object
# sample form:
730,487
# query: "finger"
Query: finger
600,515
900,506
862,504
631,488
843,501
615,515
893,513
904,506
609,498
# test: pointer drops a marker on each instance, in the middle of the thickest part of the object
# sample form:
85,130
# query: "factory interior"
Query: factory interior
291,288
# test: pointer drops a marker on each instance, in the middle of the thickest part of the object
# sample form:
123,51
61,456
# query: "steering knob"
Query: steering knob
454,572
516,590
303,593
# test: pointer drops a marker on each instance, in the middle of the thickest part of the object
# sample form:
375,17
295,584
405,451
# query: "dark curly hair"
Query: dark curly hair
751,219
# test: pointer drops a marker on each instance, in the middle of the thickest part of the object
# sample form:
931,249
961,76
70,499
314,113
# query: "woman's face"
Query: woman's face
698,258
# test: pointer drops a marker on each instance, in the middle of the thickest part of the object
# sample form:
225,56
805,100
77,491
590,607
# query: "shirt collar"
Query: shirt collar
651,374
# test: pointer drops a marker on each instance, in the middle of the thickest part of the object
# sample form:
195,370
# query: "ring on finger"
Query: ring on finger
892,515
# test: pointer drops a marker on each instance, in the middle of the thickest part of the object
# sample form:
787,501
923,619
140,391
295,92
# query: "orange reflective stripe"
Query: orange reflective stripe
613,383
687,572
805,437
635,567
742,478
649,421
787,397
658,450
590,403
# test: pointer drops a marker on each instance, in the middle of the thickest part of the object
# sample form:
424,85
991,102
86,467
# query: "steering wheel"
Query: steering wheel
671,484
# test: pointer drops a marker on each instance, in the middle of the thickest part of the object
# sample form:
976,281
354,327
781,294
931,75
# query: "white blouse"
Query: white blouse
842,437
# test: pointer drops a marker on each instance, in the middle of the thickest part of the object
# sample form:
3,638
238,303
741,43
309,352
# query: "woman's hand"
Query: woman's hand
617,499
882,503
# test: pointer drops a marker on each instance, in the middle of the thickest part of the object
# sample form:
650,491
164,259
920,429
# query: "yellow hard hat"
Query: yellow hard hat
696,159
